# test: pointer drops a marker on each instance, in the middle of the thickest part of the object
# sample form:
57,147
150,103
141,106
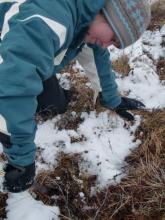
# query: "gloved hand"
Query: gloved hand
128,104
17,178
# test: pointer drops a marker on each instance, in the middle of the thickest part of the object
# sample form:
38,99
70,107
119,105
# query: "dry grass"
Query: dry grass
158,15
140,195
158,20
82,94
3,198
161,68
121,65
82,101
63,185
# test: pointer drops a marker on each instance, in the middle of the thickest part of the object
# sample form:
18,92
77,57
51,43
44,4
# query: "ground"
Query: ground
91,164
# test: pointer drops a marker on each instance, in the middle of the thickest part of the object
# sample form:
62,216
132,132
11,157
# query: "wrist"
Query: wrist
110,103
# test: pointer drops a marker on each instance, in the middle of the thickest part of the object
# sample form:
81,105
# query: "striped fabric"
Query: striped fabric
128,19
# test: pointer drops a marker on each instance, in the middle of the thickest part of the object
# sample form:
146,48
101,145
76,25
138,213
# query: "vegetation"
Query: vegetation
141,193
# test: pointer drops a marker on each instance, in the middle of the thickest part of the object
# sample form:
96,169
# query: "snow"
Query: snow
162,31
149,43
107,138
107,143
143,82
22,206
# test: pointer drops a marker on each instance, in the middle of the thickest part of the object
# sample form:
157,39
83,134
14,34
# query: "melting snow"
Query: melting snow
22,206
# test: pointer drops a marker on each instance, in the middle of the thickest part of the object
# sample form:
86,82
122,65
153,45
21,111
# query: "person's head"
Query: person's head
100,32
121,22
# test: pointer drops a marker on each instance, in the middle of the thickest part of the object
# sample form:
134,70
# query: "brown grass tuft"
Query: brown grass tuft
161,68
158,15
63,185
121,65
141,193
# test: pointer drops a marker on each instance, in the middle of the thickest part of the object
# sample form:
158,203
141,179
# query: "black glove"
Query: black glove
128,104
17,178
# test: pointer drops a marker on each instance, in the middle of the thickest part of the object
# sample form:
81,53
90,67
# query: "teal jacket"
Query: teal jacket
38,37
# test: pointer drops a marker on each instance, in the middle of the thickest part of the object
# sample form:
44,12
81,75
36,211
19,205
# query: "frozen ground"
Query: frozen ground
108,140
143,82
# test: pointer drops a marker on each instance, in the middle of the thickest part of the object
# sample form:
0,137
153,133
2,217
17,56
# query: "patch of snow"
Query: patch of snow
63,80
107,143
22,206
143,82
145,86
162,31
81,194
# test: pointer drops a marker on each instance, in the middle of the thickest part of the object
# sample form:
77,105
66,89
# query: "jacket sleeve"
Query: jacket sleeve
110,94
26,59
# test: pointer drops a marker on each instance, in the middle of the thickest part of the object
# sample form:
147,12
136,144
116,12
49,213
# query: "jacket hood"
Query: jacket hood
87,10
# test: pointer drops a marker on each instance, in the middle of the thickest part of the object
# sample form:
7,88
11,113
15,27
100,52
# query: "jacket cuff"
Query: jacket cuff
111,103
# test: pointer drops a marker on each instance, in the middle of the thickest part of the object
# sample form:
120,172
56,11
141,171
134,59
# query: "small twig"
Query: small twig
65,217
67,200
116,211
101,205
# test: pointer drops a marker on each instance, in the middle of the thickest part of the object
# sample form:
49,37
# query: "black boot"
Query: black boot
18,178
